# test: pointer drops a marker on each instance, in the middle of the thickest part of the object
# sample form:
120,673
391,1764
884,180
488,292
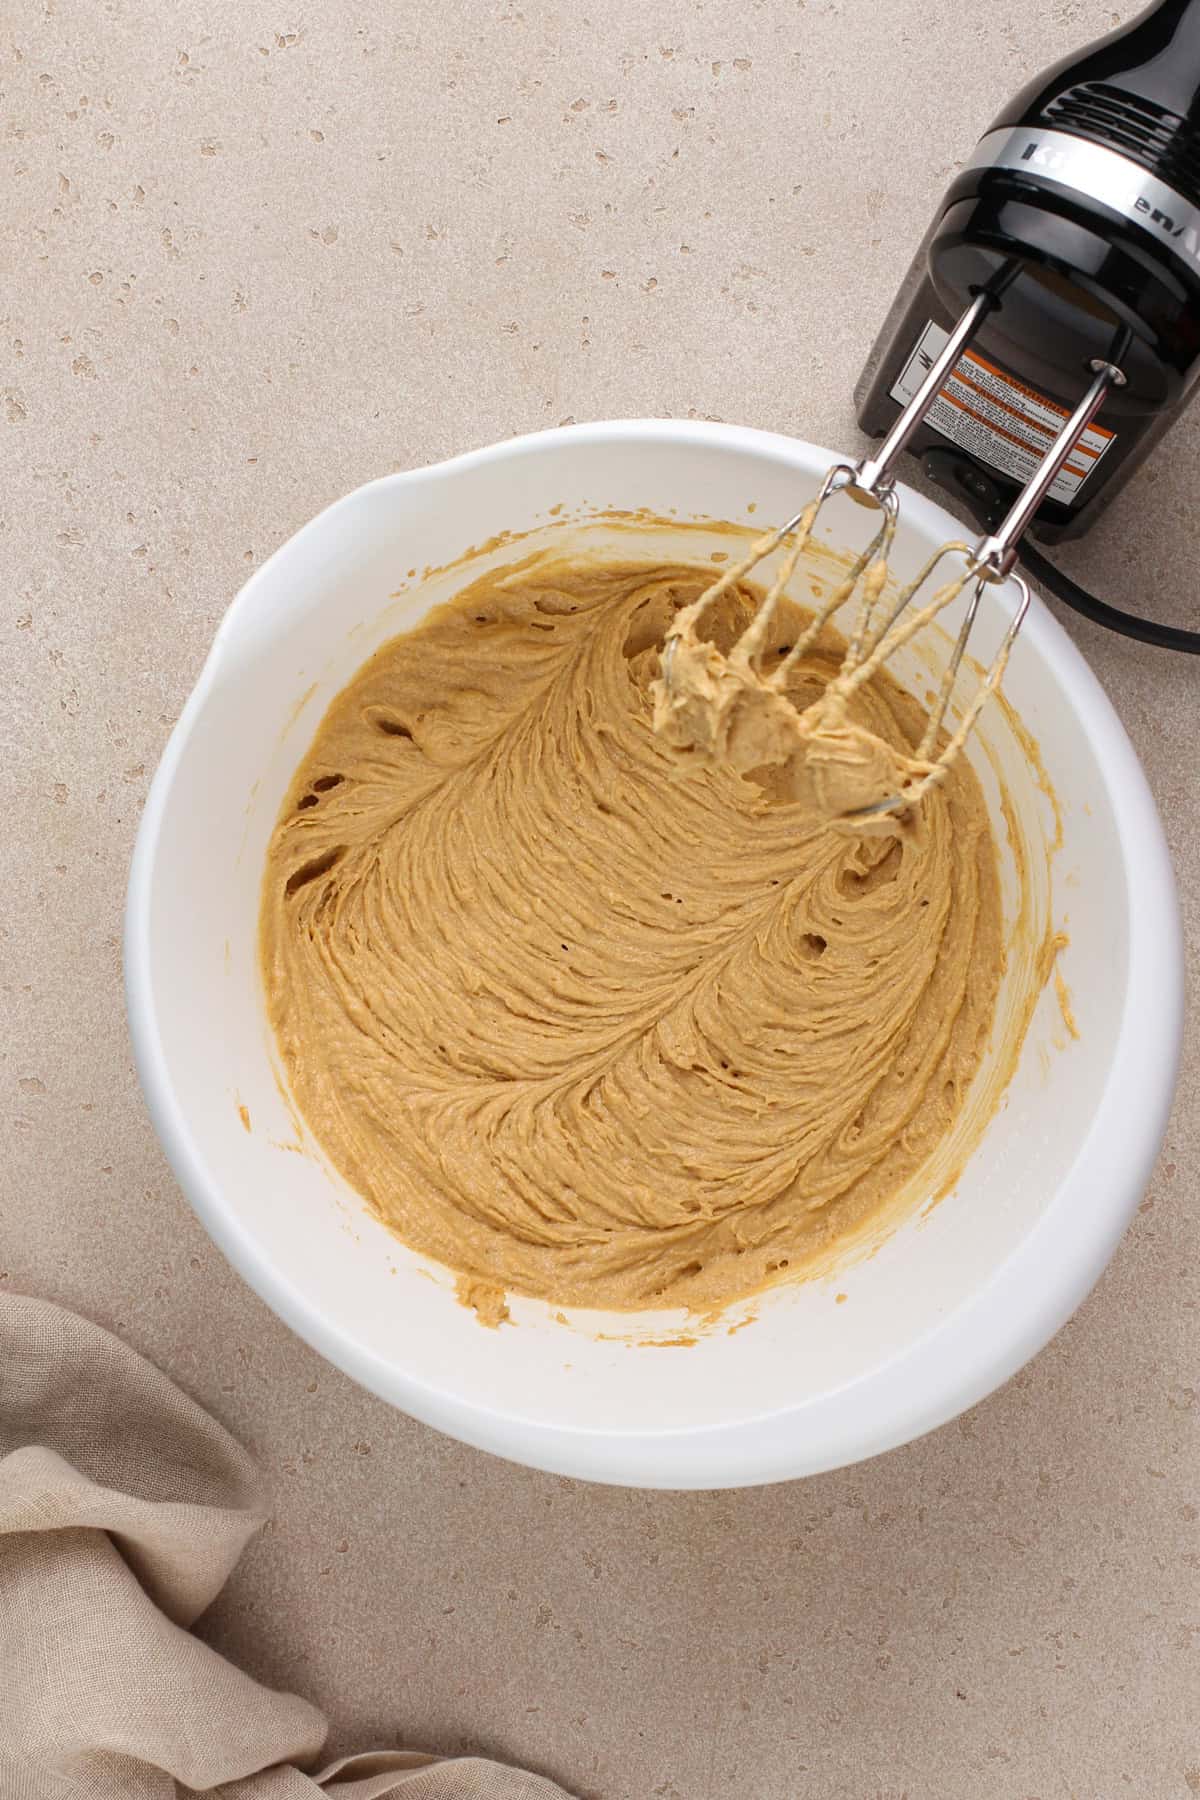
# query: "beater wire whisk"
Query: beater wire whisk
871,643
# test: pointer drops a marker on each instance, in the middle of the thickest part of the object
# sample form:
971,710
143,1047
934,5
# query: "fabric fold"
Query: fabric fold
123,1510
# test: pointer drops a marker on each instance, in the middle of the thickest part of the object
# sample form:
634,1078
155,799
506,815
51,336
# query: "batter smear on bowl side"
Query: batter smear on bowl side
585,1019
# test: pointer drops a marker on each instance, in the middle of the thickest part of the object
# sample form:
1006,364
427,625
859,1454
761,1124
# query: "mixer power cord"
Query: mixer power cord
1147,631
988,504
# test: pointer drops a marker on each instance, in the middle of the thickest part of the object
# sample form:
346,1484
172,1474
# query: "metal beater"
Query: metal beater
872,641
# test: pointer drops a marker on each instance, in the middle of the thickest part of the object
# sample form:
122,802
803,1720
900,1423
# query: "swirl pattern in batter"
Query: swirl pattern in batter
585,1024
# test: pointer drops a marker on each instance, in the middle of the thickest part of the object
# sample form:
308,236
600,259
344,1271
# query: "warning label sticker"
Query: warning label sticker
997,419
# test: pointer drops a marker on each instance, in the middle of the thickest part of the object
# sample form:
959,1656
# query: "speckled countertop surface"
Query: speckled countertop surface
252,257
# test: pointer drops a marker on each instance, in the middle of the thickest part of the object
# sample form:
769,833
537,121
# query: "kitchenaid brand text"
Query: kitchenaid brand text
1067,163
1186,236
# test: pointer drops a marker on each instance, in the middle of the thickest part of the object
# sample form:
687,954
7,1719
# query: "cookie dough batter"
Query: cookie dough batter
724,710
583,1021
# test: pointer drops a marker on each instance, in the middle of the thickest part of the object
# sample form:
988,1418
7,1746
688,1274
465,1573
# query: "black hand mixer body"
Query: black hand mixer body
1079,216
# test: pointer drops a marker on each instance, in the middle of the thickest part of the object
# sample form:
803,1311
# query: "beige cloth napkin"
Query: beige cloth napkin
123,1509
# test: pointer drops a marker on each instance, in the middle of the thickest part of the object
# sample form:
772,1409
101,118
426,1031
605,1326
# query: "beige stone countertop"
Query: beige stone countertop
255,253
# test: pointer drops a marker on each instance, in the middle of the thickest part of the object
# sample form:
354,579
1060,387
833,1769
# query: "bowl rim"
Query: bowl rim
966,1353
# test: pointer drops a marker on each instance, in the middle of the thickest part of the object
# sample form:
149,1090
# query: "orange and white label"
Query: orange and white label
999,420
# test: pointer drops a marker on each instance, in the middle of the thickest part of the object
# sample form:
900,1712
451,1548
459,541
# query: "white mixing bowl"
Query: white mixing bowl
830,1370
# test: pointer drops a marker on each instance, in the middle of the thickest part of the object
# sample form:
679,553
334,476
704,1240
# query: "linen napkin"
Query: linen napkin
123,1509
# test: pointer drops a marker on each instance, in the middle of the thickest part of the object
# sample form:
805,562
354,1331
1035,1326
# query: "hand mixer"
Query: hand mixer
1046,335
